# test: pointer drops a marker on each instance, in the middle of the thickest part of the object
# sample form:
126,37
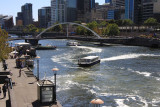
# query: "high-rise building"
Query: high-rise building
150,8
118,3
83,10
19,19
27,14
44,16
156,10
6,22
92,4
71,10
133,10
58,9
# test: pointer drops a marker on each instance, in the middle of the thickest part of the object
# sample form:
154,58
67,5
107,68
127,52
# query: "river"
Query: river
128,76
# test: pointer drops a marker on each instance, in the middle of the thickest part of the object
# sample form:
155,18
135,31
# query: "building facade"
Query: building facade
133,10
83,10
92,4
118,3
58,9
44,16
19,19
71,10
27,14
6,22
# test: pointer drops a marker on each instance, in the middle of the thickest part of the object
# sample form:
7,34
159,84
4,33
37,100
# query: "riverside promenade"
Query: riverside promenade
24,91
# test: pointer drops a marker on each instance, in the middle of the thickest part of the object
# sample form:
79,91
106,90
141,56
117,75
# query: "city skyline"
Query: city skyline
9,7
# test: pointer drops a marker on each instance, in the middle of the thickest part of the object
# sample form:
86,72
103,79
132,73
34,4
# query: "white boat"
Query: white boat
72,44
88,61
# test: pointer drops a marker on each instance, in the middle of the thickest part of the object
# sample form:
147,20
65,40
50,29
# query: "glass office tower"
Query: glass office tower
92,4
71,10
133,10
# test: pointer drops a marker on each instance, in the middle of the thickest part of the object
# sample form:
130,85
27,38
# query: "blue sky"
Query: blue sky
11,7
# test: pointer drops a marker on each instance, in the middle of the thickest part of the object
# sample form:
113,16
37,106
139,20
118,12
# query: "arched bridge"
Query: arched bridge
67,23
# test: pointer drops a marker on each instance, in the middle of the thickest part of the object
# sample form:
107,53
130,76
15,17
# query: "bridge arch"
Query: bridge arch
64,23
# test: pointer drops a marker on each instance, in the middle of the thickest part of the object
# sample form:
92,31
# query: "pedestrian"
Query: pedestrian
20,72
0,91
4,88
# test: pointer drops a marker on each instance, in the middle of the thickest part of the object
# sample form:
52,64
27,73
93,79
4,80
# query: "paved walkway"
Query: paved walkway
24,92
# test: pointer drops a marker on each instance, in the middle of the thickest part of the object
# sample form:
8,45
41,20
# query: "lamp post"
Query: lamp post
37,67
97,102
55,71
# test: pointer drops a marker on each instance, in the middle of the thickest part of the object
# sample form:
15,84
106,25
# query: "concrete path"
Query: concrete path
24,92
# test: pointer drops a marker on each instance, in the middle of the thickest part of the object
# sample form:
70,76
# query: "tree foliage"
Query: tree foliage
119,22
57,28
103,24
112,29
4,46
127,22
79,22
150,22
31,28
80,30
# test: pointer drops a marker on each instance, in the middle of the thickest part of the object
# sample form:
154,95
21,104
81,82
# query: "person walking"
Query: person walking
20,72
4,88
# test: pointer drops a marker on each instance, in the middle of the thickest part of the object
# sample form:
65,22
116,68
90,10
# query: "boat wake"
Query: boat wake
91,49
127,56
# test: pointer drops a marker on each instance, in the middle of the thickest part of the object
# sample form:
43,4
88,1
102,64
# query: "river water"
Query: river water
128,76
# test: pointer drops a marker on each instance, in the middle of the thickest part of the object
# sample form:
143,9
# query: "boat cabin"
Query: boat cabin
72,44
89,60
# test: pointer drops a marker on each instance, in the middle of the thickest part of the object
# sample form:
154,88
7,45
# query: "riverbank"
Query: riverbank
131,41
24,91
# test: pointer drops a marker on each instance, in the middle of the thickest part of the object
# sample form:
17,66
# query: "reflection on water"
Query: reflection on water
127,76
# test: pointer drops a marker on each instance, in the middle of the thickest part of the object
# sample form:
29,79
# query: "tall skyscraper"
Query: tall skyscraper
83,10
71,10
44,16
133,10
92,4
19,19
58,9
27,14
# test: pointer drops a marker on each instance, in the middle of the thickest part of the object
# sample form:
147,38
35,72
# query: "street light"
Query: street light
97,102
55,72
37,67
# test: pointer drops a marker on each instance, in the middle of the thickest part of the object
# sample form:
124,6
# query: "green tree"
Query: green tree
119,22
112,21
150,22
80,30
127,22
79,22
93,26
30,28
112,29
4,46
103,24
57,28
